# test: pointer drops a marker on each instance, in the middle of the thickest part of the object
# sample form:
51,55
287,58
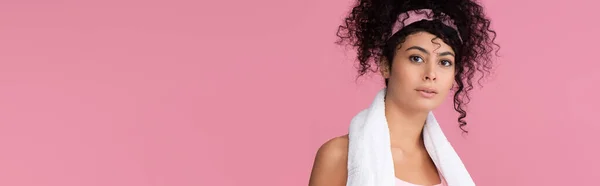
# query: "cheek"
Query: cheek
446,83
406,73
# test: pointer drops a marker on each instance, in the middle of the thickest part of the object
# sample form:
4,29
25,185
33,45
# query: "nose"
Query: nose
430,74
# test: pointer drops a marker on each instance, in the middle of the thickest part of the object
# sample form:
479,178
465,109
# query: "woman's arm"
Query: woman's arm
330,166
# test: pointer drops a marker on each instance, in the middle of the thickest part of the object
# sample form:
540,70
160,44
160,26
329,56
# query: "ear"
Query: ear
384,68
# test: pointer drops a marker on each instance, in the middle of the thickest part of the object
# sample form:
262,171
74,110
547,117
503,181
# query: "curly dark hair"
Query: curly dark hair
368,27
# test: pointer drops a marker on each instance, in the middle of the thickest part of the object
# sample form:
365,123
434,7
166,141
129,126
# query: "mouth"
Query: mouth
427,90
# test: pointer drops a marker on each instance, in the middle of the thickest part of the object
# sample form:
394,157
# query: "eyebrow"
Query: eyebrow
426,52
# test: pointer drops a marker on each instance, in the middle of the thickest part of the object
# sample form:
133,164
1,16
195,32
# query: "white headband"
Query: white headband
418,15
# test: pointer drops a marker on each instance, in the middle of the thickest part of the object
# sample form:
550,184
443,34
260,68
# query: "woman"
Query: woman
424,50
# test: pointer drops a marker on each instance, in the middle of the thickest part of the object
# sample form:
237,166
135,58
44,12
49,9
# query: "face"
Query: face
422,72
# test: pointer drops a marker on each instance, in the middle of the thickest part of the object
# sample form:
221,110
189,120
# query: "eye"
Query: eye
416,59
446,63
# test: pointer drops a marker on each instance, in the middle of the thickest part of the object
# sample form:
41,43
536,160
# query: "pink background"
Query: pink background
230,93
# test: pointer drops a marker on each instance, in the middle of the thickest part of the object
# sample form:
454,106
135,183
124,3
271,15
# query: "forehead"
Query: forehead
425,40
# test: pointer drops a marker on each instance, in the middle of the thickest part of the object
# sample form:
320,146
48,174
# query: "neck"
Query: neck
405,126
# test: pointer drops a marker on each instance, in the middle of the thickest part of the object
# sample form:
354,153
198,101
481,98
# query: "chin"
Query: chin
425,105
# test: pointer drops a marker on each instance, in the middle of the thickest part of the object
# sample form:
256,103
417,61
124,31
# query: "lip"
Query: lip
427,89
427,92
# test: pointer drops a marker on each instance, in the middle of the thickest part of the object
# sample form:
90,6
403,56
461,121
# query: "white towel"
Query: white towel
370,160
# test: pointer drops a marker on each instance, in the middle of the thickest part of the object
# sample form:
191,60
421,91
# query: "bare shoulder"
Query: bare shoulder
334,150
330,163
